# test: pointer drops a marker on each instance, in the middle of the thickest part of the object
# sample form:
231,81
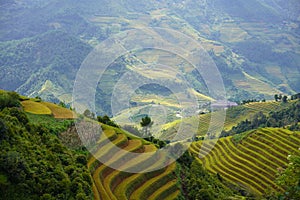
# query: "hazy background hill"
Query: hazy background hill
255,44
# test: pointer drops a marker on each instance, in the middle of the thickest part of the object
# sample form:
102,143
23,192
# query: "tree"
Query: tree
206,194
16,112
106,120
146,123
276,97
38,98
62,104
280,97
9,99
3,129
295,96
89,114
284,99
289,178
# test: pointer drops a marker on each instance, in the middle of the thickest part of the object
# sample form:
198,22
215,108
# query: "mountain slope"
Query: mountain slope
28,64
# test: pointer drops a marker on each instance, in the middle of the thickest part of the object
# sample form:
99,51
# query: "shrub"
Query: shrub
47,197
81,159
16,112
9,99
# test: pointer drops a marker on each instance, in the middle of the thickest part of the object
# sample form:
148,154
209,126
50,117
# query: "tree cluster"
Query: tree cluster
9,99
279,97
289,179
106,120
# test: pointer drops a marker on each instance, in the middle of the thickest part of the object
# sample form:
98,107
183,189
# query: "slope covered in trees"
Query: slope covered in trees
34,164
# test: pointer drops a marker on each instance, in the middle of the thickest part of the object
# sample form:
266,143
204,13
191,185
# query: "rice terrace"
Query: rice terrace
150,100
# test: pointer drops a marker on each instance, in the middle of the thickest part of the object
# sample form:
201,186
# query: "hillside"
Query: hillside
31,126
43,66
252,164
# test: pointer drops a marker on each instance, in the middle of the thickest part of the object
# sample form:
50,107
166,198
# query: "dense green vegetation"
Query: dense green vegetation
34,164
289,179
54,126
9,99
106,120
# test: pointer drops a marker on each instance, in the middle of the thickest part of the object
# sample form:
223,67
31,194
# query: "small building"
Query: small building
223,104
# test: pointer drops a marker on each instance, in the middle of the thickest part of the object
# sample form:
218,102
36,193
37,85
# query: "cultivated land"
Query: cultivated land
113,184
234,115
251,162
46,108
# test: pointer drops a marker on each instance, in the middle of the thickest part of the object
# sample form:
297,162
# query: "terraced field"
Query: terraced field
36,108
59,112
234,115
117,185
264,107
46,108
252,162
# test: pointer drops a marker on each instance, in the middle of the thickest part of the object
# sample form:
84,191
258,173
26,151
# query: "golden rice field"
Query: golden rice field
46,108
36,108
118,185
252,162
59,112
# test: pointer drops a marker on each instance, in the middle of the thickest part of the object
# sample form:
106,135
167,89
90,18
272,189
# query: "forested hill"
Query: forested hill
48,61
